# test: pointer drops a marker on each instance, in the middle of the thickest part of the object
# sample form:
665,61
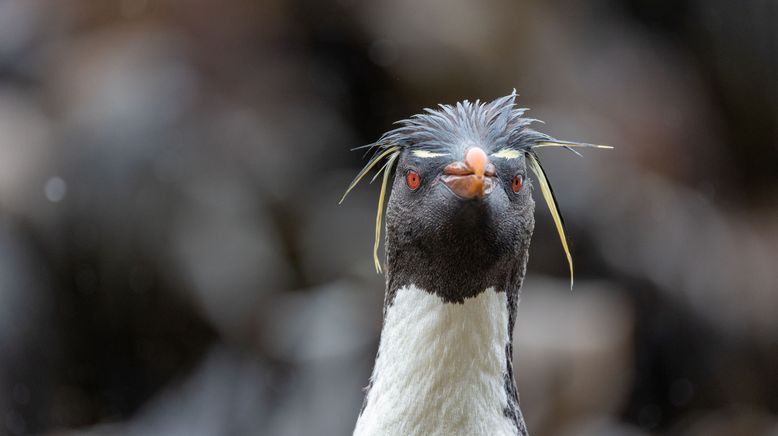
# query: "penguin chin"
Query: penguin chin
475,226
456,251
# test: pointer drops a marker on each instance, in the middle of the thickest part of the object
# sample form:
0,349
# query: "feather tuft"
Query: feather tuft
379,214
553,207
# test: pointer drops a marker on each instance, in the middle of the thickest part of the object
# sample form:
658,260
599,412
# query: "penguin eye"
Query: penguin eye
516,185
413,180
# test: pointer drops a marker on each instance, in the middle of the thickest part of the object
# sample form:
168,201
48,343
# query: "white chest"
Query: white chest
441,368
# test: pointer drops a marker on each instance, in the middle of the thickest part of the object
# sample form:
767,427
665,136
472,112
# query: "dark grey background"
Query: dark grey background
173,260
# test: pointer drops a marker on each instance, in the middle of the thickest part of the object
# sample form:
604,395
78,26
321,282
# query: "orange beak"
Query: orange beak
472,178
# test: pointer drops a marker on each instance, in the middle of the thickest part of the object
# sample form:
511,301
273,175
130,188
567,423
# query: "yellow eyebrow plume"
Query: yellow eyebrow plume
373,162
568,145
387,169
389,157
426,154
548,195
508,153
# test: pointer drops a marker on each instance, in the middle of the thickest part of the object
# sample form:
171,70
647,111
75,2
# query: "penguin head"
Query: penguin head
461,200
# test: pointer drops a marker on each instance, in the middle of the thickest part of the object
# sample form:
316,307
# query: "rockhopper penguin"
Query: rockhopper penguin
458,227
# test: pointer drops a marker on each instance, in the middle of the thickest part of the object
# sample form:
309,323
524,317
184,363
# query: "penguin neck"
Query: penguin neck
444,363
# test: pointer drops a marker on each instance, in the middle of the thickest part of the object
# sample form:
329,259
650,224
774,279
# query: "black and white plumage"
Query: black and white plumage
458,227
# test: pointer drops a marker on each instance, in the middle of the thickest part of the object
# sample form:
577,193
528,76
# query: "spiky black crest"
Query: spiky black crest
498,123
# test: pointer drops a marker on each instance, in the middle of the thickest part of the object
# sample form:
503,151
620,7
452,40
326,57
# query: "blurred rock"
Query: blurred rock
572,352
26,333
227,393
740,420
226,248
601,426
322,323
328,334
25,153
337,239
119,85
19,27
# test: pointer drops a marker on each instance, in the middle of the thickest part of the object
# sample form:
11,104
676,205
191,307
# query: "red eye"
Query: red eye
516,184
413,180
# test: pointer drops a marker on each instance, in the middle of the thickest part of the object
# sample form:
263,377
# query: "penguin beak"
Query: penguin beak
472,178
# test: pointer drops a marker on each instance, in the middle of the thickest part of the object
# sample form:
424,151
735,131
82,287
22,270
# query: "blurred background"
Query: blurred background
173,260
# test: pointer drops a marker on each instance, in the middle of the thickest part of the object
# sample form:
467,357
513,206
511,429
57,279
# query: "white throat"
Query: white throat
441,368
